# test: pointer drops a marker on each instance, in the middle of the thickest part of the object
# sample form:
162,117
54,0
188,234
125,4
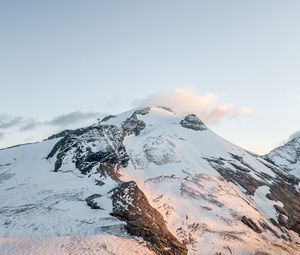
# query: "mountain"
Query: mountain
147,181
287,156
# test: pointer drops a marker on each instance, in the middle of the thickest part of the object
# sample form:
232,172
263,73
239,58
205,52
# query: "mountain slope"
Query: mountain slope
153,177
287,156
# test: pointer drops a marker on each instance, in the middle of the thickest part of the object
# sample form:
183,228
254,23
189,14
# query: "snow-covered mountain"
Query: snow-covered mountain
147,181
287,156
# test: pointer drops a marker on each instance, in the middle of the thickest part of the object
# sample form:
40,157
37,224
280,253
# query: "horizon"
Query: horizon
89,122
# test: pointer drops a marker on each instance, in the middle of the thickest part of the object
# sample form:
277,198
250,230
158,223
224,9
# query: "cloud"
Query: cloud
73,118
30,125
16,130
7,121
186,100
61,121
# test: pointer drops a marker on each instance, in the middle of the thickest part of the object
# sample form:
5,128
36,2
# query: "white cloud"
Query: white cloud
7,121
186,100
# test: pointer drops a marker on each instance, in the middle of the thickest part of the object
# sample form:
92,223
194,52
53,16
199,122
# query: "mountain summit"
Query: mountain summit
147,181
287,156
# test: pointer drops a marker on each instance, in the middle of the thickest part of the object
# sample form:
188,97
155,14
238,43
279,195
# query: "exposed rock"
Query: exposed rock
283,220
282,188
167,109
266,226
109,170
240,168
131,205
193,122
99,183
290,197
60,134
143,111
242,178
280,209
108,118
133,125
91,146
251,224
91,203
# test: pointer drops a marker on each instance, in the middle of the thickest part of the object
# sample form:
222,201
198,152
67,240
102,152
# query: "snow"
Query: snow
51,203
169,163
264,204
65,245
288,155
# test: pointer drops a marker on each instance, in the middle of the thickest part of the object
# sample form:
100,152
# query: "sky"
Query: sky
65,63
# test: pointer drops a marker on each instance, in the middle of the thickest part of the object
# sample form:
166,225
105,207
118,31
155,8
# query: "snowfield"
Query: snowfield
215,197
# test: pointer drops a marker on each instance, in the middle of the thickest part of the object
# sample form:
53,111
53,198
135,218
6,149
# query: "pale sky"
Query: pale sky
63,63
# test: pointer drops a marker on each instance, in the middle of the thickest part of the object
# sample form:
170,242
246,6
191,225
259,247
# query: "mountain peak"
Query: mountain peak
295,135
159,176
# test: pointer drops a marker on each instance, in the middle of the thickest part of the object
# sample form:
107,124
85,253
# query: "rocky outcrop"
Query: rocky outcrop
60,134
88,147
251,224
289,214
241,178
131,205
108,117
238,175
193,122
91,201
282,188
133,125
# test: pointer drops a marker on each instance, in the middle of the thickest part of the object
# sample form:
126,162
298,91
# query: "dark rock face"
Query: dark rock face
131,205
237,174
245,180
286,157
60,134
167,109
251,224
290,198
95,145
106,118
133,125
91,203
282,188
109,170
193,122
